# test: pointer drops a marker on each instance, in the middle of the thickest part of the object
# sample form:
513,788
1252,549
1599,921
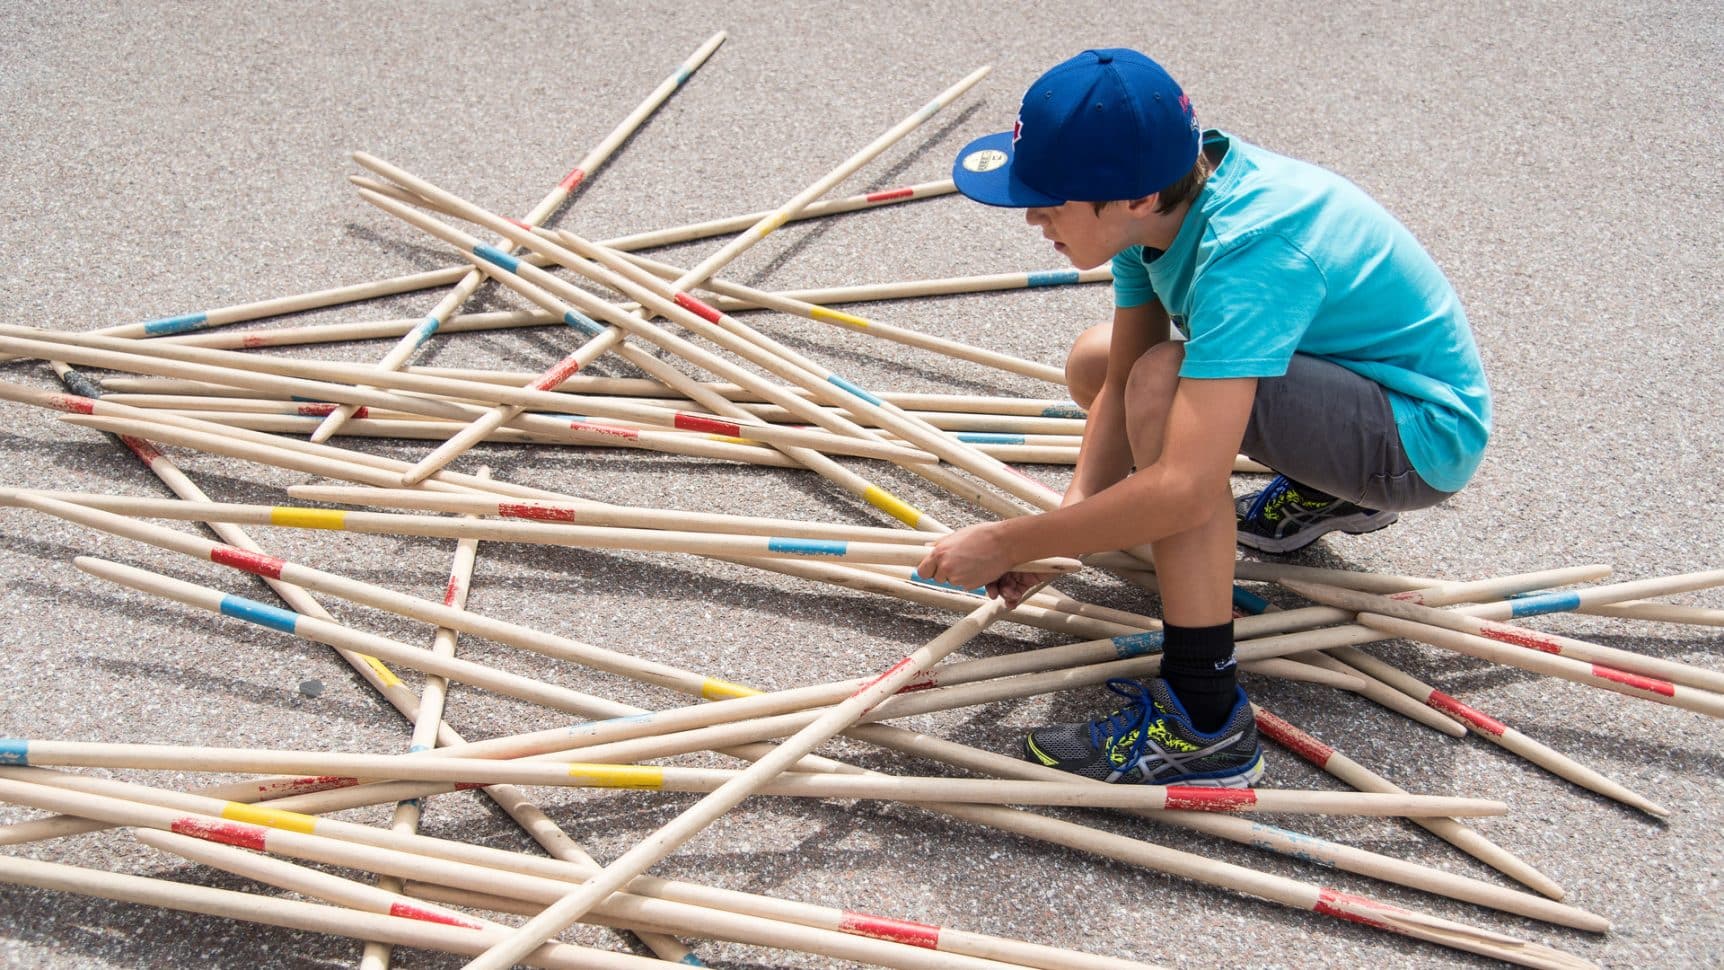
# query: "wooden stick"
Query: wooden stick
595,513
403,930
407,812
1067,418
556,533
612,336
1498,733
371,670
910,338
1420,611
1364,779
250,827
469,284
1576,671
1657,612
1386,696
469,771
285,621
301,879
671,836
273,374
1256,834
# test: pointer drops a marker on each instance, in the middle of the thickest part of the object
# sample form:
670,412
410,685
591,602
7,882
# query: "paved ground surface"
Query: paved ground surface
1560,160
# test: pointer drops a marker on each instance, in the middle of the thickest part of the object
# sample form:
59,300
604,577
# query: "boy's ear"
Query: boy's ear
1144,206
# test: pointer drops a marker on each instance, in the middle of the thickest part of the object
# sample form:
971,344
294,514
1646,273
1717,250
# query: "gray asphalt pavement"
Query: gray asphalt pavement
1560,160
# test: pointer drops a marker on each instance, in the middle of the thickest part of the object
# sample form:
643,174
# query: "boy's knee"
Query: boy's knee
1086,364
1154,377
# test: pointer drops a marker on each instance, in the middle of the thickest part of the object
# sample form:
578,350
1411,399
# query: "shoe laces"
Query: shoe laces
1277,485
1133,719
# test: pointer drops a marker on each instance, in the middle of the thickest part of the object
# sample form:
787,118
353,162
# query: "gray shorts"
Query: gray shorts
1324,426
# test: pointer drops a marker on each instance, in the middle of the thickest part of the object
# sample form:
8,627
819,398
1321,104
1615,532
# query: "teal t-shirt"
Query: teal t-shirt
1278,256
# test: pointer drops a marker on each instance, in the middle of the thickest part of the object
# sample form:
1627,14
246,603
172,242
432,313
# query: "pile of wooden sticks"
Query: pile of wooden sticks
185,382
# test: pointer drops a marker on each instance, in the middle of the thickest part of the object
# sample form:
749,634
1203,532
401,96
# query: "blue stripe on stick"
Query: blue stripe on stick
837,381
1067,410
426,328
582,323
916,577
1057,277
1137,644
14,751
693,961
179,324
499,257
982,438
808,547
1545,603
260,613
1248,601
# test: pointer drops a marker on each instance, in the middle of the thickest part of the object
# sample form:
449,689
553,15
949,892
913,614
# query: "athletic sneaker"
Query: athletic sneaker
1151,741
1288,516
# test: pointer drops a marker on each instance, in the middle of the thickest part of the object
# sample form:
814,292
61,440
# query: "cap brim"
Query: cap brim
984,172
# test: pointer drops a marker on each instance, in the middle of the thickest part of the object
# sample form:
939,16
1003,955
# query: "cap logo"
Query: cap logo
1017,129
985,160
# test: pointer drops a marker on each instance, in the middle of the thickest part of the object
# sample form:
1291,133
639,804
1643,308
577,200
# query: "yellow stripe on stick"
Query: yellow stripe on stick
307,518
383,672
838,316
890,504
714,689
273,818
619,776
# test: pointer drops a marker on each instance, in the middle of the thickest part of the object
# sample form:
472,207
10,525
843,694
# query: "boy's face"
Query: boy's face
1081,234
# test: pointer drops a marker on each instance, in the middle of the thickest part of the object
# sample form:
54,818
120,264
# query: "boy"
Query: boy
1321,340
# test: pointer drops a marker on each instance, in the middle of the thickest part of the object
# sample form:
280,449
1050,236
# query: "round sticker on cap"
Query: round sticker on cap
985,160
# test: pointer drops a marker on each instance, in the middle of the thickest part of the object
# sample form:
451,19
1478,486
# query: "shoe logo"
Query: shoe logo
1030,743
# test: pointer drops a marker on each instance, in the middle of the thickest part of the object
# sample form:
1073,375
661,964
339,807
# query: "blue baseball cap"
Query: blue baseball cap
1105,125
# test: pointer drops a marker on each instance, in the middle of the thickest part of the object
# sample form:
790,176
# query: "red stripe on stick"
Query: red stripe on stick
316,410
1472,715
1294,740
694,422
411,911
251,562
889,671
575,177
1650,684
1504,633
885,928
305,786
887,195
606,429
564,370
1331,902
227,833
72,403
453,590
146,452
698,308
512,511
1193,798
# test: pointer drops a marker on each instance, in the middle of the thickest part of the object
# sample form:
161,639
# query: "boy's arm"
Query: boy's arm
1204,427
1105,455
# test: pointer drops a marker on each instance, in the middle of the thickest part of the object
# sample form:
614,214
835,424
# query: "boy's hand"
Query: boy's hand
970,557
1013,586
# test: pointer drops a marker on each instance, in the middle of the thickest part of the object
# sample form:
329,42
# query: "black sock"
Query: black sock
1197,663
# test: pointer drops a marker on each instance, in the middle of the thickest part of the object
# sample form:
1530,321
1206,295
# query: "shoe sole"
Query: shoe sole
1245,779
1358,524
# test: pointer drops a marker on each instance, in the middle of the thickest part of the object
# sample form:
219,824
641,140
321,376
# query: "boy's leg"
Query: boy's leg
1192,725
1086,364
1331,435
1194,568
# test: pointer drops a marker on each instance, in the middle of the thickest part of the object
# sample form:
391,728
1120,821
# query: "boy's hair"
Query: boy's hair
1182,191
